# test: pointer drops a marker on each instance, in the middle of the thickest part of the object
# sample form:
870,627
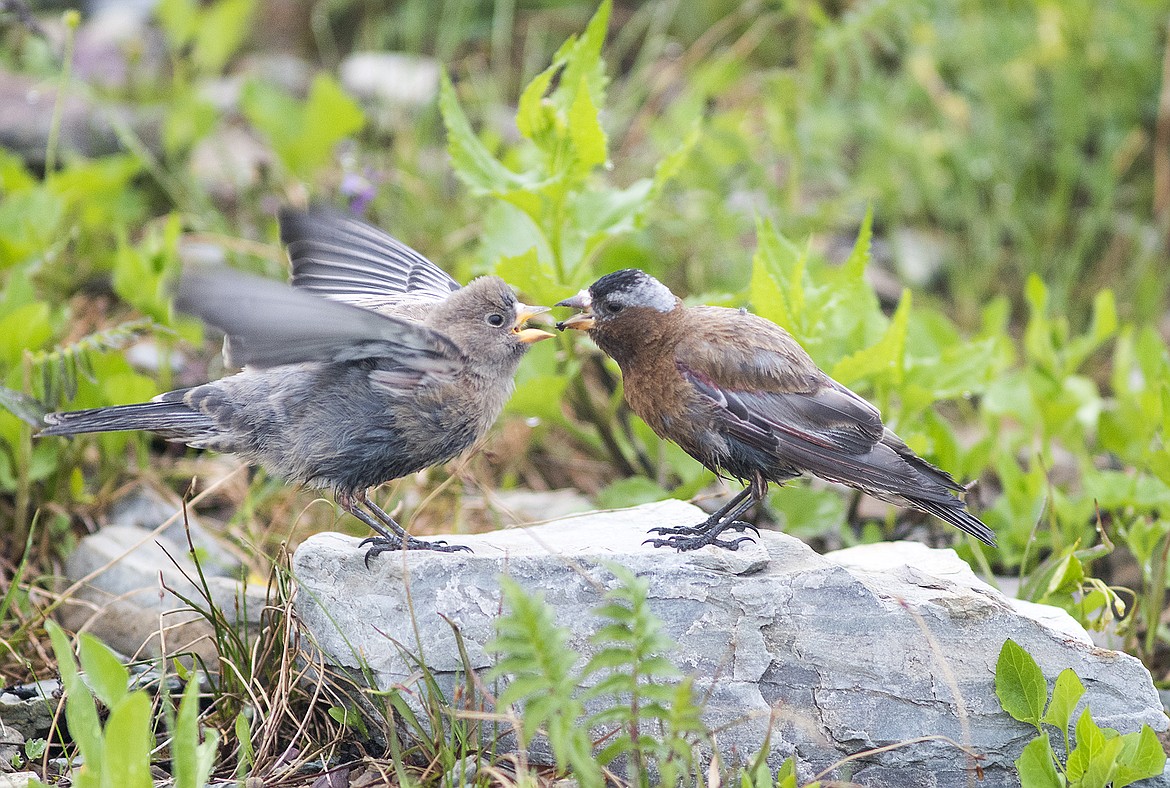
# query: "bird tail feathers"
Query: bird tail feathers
170,419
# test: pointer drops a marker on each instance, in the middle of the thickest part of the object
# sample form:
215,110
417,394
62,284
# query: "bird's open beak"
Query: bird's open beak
529,335
582,321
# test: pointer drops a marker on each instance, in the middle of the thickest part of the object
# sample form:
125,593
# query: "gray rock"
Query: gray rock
147,508
29,708
394,78
17,779
229,162
88,127
128,584
835,654
11,748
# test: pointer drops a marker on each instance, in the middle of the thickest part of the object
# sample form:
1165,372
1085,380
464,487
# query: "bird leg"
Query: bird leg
392,536
707,532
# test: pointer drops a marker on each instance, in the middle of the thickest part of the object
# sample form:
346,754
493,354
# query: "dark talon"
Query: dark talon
380,544
738,526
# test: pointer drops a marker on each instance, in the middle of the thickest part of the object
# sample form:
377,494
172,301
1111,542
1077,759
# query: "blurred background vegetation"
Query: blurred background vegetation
961,209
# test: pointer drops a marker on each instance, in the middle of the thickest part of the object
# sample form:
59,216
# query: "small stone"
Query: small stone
395,78
129,582
29,708
147,508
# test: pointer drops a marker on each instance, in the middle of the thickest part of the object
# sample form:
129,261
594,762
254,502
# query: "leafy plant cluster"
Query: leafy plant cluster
642,726
120,751
1099,758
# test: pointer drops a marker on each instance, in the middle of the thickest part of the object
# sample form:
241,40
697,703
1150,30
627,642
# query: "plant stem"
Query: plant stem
72,19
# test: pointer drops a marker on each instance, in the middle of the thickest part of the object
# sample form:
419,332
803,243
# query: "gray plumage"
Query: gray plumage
333,395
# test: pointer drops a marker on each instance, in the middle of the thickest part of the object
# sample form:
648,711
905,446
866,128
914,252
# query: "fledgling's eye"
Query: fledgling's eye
495,319
614,307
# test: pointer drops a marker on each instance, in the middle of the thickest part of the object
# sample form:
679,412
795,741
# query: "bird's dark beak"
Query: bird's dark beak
583,321
529,335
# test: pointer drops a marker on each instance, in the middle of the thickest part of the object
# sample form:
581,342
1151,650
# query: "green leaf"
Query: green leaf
303,135
1019,684
886,357
223,27
1141,757
26,327
534,116
1087,761
1065,696
128,741
530,276
585,132
630,491
472,162
1037,765
584,69
247,756
80,708
855,265
106,674
193,760
776,285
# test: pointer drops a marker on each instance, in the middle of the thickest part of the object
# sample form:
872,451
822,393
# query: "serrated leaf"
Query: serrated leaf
1037,766
585,133
858,260
1065,696
885,357
472,162
773,267
1019,684
535,116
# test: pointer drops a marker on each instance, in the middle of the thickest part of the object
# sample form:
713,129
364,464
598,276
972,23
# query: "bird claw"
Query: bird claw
738,526
380,544
694,543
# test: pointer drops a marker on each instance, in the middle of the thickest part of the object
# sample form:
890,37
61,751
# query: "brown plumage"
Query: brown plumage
741,396
397,368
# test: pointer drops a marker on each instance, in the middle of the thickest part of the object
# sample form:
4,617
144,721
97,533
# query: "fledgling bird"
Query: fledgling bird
740,395
342,396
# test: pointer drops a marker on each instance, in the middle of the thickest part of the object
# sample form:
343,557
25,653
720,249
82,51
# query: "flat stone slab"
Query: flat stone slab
823,657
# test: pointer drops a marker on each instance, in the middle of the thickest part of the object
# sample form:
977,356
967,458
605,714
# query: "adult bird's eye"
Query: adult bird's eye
495,319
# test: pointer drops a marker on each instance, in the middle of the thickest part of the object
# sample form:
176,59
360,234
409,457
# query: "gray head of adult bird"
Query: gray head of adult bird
741,396
333,394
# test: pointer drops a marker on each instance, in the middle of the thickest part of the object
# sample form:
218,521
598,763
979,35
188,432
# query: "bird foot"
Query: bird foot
380,544
703,528
684,543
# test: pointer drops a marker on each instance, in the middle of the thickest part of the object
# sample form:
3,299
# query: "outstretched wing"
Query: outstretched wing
269,324
343,258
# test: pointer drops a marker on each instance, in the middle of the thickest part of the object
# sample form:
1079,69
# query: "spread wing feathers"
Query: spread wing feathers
341,257
269,324
836,435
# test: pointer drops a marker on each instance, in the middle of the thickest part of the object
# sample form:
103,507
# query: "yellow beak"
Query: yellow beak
529,335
